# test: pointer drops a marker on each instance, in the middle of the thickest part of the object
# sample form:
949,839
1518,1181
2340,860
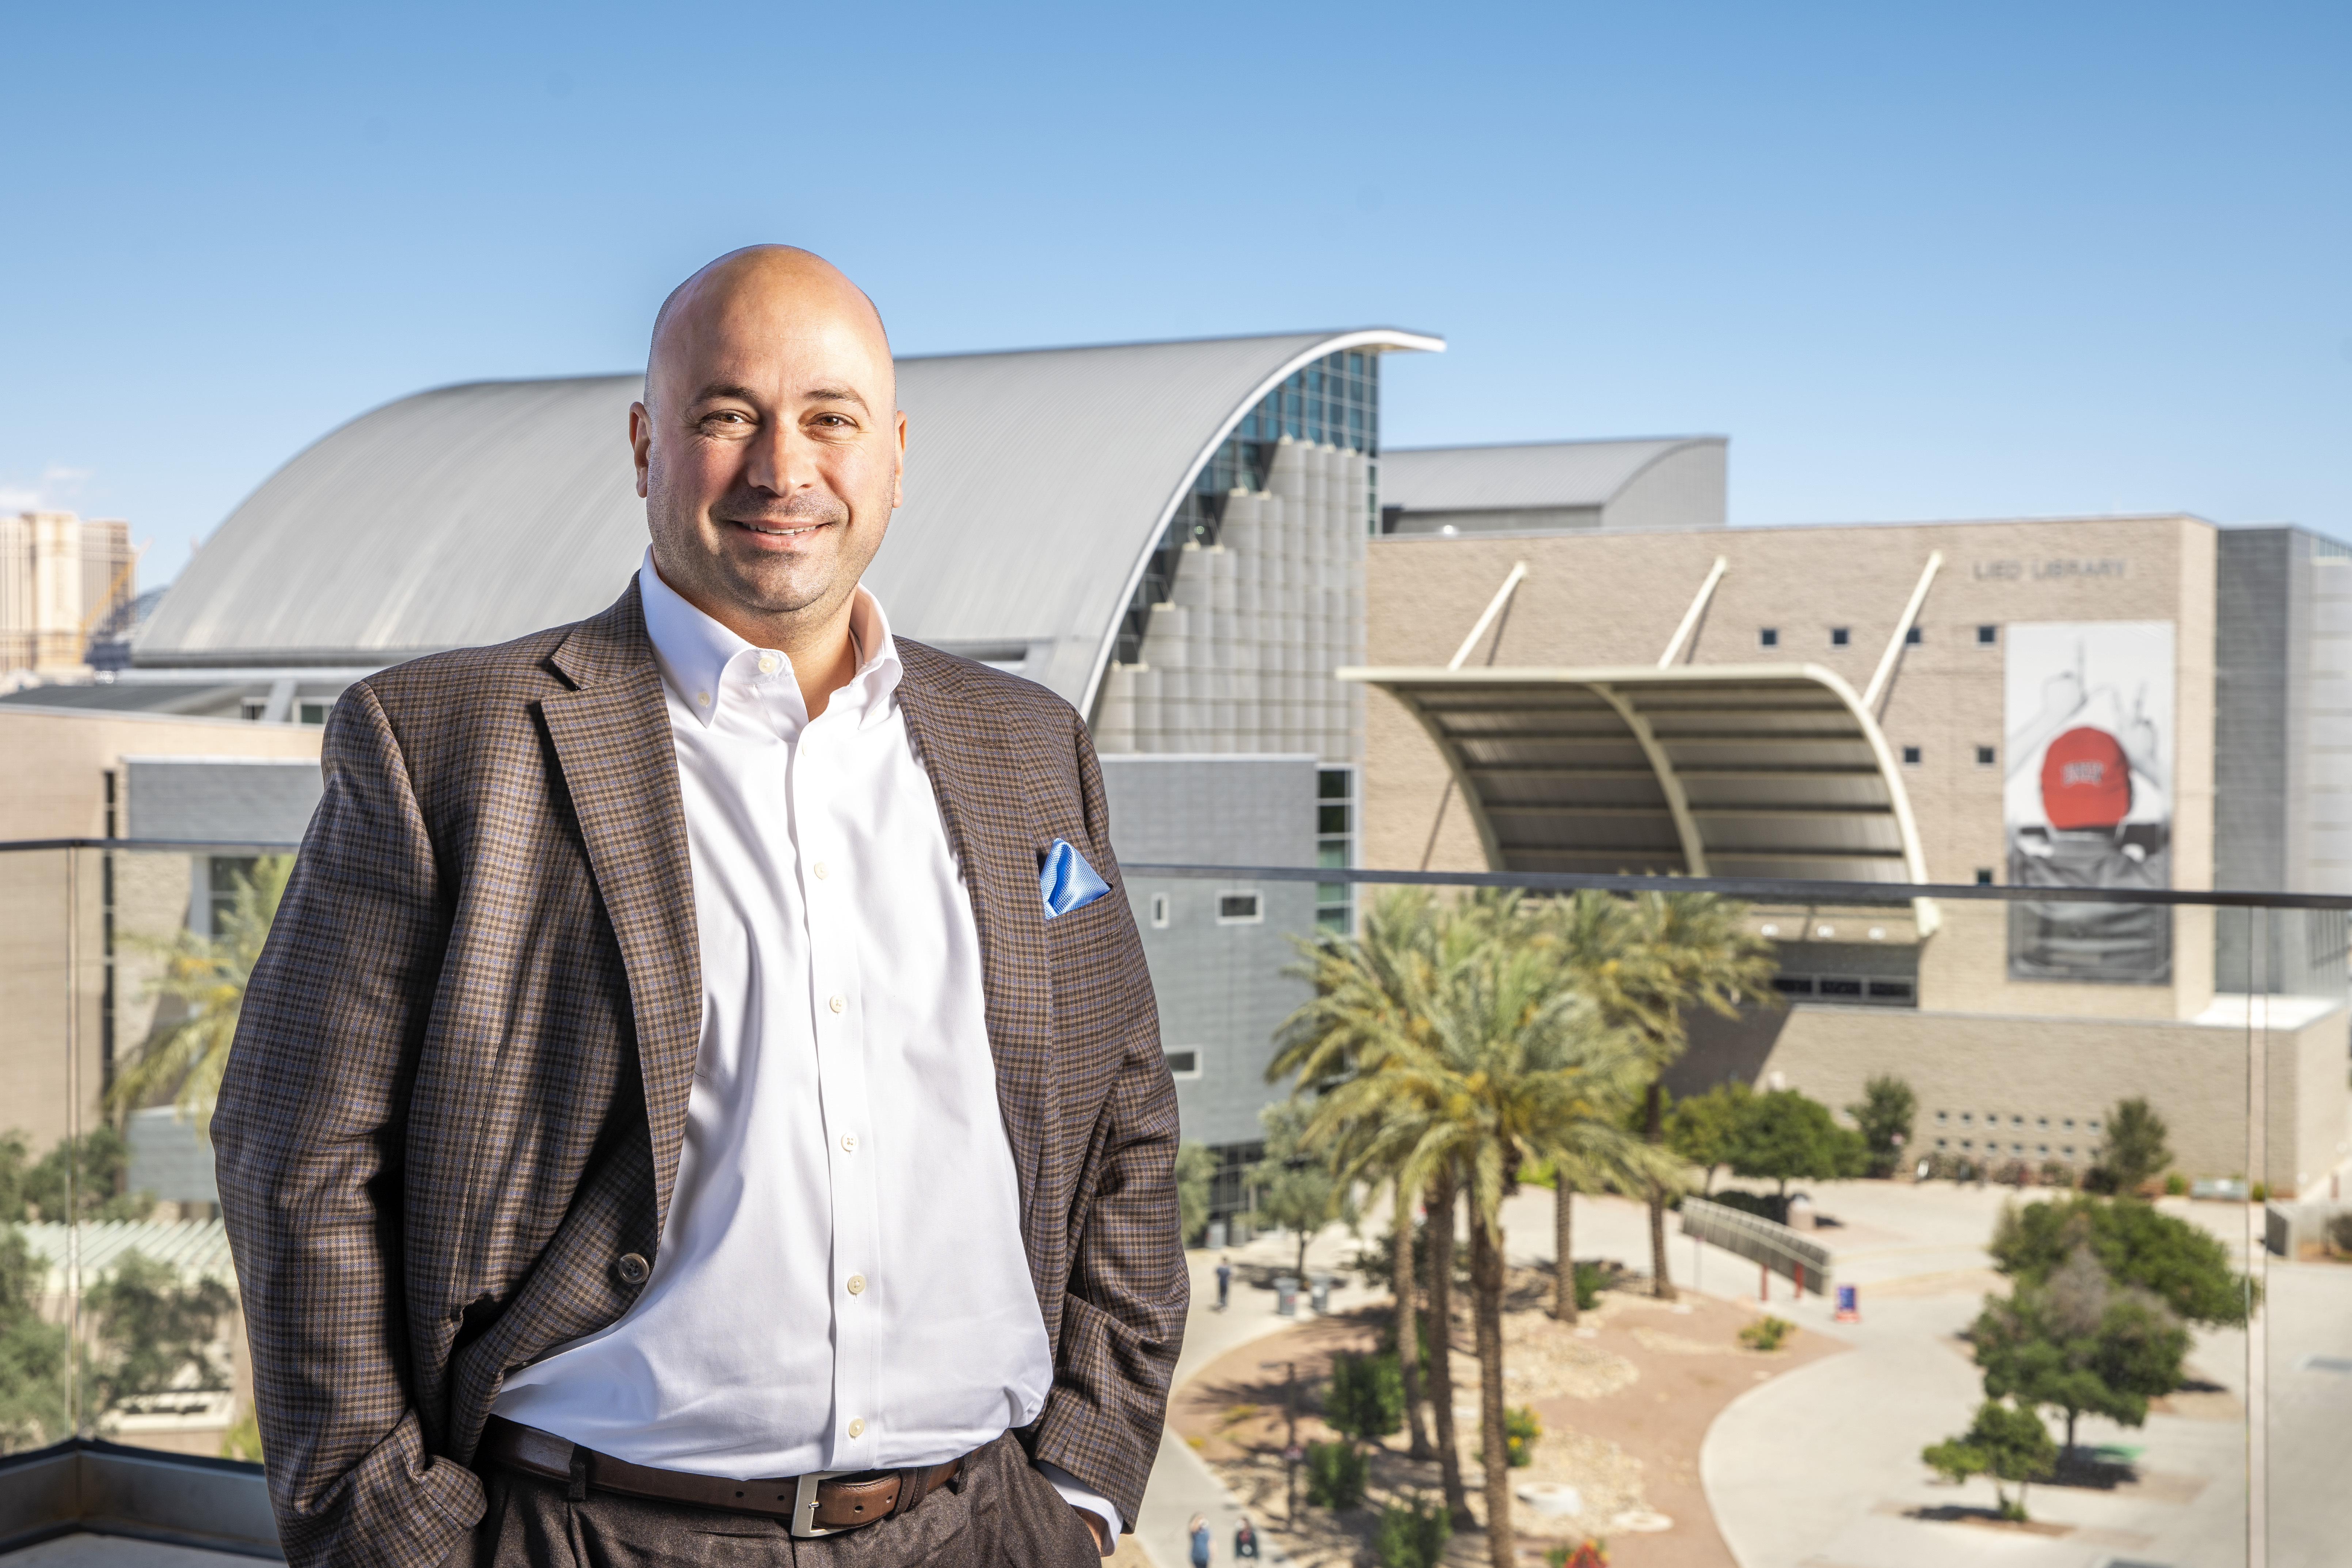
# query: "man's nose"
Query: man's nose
781,460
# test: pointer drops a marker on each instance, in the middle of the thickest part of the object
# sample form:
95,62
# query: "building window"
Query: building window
1841,636
1160,912
1185,1063
1988,635
1910,756
314,713
1943,1116
1239,909
1985,756
251,708
1770,637
1334,847
1913,638
1984,876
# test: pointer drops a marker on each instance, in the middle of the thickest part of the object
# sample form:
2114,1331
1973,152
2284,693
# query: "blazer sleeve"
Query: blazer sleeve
309,1142
1123,1310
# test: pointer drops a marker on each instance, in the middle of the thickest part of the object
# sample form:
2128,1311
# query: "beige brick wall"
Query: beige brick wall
1616,598
2050,1069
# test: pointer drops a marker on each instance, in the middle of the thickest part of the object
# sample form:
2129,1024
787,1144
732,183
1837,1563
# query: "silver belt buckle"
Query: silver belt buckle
804,1526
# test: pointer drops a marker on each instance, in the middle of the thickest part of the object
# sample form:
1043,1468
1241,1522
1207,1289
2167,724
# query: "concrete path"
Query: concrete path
1821,1467
1181,1485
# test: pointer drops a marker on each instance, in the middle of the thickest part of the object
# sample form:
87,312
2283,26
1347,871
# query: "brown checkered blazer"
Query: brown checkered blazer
460,1086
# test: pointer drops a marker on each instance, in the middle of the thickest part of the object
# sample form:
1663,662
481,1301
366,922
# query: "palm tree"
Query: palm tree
1596,1153
208,976
1359,1006
1500,1055
1642,963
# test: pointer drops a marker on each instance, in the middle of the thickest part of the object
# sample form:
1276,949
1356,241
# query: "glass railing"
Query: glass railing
1916,1204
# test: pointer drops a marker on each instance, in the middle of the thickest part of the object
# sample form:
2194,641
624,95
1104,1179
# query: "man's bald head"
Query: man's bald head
758,271
769,446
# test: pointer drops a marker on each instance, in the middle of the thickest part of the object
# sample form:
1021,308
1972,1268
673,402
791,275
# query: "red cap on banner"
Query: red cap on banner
2085,780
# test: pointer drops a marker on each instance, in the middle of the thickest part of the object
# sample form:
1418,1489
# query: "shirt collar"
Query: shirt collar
695,652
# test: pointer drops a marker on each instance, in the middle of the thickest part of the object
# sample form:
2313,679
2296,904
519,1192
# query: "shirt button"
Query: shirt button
857,1425
849,1142
702,697
822,871
767,664
857,1284
633,1268
839,1003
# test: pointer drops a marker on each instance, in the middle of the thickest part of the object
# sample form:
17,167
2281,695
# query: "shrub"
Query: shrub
2175,1186
1335,1475
1413,1535
1365,1398
1883,1114
1763,1206
1767,1333
2057,1173
1592,1278
1521,1431
2259,1193
1587,1554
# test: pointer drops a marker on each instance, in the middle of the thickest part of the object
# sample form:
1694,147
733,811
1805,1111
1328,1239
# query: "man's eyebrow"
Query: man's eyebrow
725,389
834,394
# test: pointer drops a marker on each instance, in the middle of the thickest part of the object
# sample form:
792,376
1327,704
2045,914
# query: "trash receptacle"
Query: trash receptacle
1216,1236
1318,1288
1285,1296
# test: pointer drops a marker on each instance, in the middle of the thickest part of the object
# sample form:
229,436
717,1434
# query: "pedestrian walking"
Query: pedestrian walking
1245,1539
1201,1548
1224,1280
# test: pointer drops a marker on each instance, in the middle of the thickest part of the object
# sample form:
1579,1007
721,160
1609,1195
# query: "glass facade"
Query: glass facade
1335,846
1336,402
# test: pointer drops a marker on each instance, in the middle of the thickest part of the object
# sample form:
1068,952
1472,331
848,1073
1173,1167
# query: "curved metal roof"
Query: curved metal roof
1037,482
1540,474
1743,770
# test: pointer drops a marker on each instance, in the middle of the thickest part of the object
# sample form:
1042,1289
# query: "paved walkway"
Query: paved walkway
1182,1486
1822,1468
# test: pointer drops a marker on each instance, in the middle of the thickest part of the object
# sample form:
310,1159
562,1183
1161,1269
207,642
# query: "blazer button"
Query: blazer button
634,1268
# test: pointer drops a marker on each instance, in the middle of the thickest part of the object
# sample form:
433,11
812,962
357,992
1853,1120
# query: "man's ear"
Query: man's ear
641,442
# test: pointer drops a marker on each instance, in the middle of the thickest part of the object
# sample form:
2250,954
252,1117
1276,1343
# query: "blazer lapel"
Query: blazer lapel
610,736
965,749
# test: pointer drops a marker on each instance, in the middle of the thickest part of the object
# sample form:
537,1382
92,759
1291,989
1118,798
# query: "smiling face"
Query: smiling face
768,447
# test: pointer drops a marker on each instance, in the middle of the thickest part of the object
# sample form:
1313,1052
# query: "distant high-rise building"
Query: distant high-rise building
61,576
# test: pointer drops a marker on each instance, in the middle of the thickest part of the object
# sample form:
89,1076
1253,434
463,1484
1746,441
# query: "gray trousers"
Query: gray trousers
999,1511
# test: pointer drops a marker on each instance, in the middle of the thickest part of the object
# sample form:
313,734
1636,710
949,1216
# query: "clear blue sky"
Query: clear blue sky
1917,261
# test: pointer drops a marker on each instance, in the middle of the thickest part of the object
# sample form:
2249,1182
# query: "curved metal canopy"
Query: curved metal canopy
1037,484
1765,769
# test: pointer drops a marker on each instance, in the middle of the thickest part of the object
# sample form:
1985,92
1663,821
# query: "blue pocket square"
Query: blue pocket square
1067,882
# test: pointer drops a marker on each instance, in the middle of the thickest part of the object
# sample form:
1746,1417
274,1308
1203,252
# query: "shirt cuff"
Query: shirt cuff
1078,1494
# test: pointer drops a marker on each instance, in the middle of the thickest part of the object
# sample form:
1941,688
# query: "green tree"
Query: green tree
2136,1149
1509,1053
32,1352
1644,964
2003,1442
1293,1180
1883,1114
78,1181
2081,1345
2184,1268
1785,1136
1364,1399
183,1061
1704,1129
1335,1475
1196,1177
157,1331
1362,1011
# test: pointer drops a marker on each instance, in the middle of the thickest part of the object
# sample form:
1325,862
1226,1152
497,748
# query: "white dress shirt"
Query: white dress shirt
841,1283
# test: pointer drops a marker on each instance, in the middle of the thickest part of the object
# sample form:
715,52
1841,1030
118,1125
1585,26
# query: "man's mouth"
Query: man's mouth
785,531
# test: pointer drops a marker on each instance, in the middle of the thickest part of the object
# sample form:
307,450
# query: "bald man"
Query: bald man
702,1102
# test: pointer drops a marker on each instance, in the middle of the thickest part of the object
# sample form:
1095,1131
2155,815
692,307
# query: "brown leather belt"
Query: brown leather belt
824,1502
